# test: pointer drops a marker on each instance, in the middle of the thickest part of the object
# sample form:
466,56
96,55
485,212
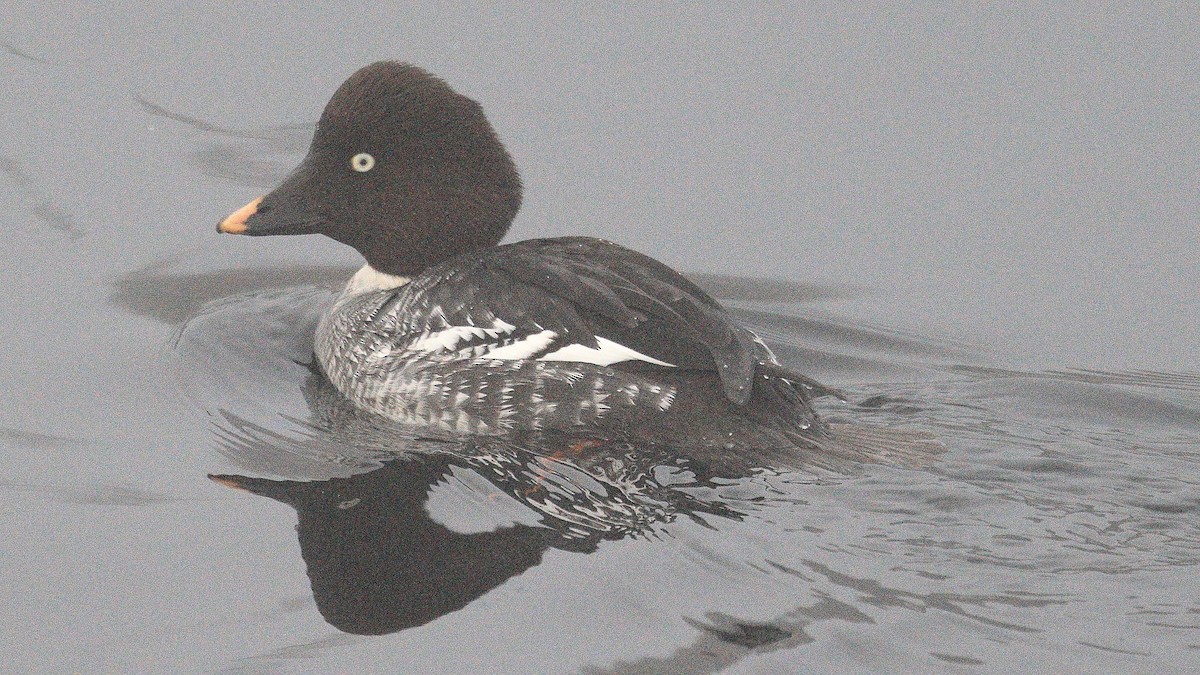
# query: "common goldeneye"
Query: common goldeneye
445,328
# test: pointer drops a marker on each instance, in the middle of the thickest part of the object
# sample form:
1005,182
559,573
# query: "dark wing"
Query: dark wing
583,289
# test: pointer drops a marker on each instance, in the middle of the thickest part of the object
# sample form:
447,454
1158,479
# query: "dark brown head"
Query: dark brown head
402,168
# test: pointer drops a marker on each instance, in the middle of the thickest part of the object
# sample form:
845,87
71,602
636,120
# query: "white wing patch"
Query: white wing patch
606,353
524,348
494,346
448,339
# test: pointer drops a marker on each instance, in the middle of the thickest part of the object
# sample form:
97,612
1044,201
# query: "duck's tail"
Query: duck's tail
810,387
836,446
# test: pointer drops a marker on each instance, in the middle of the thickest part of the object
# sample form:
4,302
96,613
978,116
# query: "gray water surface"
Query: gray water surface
979,223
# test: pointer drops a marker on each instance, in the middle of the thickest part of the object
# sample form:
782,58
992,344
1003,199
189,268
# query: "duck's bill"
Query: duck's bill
258,219
235,223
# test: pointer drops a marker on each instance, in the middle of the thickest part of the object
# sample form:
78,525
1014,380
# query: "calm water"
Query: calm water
980,225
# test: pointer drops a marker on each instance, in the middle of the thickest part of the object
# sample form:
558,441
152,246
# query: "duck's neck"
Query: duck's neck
369,279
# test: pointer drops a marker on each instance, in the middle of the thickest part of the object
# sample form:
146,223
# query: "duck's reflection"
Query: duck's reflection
378,562
441,522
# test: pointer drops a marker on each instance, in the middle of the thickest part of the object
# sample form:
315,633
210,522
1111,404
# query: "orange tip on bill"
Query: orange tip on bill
235,223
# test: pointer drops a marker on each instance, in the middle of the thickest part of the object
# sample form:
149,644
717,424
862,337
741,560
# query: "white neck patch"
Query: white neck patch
369,279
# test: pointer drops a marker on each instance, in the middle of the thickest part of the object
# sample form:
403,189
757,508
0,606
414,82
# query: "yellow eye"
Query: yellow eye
362,162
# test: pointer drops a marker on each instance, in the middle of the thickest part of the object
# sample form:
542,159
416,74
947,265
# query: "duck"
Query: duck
446,328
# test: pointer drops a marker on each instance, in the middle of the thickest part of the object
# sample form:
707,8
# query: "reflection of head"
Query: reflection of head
376,560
